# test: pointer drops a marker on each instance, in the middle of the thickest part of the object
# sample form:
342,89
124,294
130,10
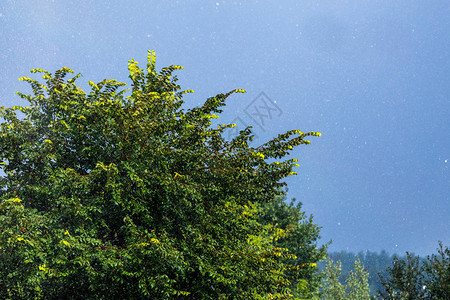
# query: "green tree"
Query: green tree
358,282
415,278
299,234
331,287
128,196
406,279
356,287
375,263
437,273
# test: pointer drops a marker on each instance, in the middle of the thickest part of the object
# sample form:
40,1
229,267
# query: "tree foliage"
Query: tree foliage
375,263
124,194
356,285
437,273
331,287
299,234
413,278
405,280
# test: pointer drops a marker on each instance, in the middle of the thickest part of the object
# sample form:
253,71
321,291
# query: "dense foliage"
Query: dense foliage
356,286
131,197
375,263
413,278
300,237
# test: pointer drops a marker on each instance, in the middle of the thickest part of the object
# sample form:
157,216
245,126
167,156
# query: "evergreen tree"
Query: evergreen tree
357,286
357,282
131,197
375,263
331,287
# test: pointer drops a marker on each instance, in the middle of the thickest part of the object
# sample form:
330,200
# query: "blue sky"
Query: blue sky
371,76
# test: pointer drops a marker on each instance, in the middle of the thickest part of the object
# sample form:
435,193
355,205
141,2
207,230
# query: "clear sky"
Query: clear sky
372,76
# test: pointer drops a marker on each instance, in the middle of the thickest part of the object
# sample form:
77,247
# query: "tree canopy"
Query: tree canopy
124,194
356,285
416,278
